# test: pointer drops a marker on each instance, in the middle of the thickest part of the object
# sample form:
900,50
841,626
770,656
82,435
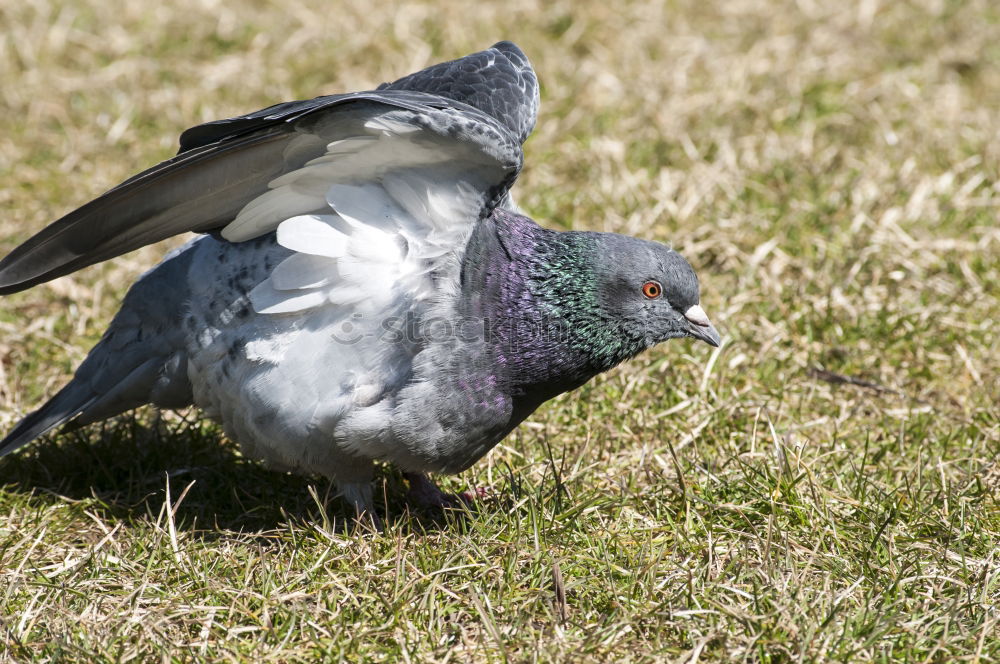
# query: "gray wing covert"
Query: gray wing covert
498,81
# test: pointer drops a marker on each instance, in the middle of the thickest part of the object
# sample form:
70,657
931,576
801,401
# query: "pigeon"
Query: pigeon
362,288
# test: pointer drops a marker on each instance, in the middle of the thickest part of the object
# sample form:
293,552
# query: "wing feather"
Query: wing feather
312,234
302,271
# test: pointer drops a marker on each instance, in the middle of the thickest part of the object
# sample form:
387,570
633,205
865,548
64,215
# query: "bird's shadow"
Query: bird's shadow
124,468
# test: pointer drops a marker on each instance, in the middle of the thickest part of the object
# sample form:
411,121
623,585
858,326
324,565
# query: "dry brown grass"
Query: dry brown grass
832,172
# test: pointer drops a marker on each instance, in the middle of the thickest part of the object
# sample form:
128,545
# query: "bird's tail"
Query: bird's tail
109,382
140,359
69,402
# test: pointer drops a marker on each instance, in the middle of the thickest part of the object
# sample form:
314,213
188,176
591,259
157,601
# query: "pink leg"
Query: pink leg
425,493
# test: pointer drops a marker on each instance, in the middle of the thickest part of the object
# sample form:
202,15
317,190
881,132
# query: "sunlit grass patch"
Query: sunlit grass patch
824,487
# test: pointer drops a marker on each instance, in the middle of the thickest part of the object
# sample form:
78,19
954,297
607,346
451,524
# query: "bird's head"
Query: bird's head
651,289
615,295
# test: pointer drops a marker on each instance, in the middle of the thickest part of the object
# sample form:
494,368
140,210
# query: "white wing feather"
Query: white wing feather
312,234
266,299
300,271
369,220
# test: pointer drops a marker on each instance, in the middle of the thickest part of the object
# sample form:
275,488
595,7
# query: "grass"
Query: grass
824,488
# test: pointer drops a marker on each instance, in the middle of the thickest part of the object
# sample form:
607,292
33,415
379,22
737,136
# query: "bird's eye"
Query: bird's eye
652,289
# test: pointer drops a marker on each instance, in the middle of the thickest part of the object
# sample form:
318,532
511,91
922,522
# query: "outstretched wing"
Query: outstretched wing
396,192
251,173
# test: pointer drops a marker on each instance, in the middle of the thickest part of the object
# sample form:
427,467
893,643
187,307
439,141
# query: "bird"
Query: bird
362,287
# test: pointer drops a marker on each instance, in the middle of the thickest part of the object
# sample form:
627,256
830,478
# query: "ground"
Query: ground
824,487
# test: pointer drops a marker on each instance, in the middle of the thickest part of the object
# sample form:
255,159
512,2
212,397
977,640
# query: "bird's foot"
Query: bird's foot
425,493
360,495
368,520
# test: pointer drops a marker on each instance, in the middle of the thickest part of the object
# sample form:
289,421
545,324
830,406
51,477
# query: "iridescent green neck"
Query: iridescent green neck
564,279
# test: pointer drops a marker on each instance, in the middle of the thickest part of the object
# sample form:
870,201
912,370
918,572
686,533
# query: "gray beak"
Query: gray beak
700,327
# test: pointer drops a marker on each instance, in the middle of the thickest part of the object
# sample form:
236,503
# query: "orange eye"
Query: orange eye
652,289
